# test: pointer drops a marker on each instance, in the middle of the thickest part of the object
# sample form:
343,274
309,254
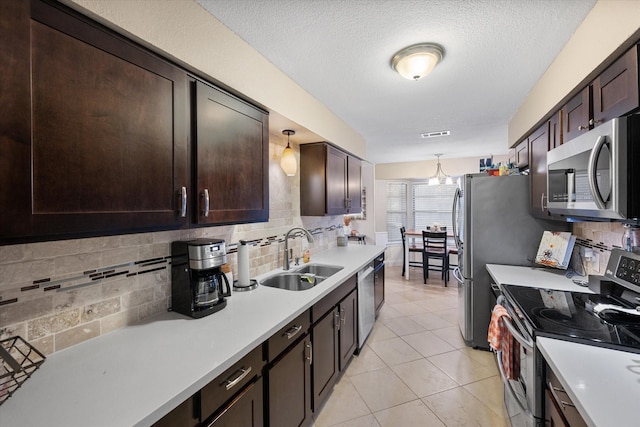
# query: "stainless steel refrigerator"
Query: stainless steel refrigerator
492,225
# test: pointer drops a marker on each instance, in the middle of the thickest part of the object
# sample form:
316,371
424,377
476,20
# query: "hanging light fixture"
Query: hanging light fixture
440,177
288,161
416,61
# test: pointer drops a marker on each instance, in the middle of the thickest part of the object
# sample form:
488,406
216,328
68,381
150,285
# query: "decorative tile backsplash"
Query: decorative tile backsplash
58,294
601,237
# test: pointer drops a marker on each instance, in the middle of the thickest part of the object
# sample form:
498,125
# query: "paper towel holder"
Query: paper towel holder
243,270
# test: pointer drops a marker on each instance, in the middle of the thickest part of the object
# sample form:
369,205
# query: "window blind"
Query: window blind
396,210
432,204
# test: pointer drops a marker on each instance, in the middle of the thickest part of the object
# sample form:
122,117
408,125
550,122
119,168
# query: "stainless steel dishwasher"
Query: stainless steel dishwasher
366,303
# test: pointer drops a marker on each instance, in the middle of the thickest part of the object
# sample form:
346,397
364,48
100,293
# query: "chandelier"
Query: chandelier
440,177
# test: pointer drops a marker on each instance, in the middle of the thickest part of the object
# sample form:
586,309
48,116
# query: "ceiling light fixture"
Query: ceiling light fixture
288,161
440,177
416,61
435,134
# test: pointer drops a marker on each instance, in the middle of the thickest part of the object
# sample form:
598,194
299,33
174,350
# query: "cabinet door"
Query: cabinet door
246,410
379,289
325,356
615,91
576,115
354,187
231,160
336,182
522,154
555,130
107,148
348,328
289,387
538,147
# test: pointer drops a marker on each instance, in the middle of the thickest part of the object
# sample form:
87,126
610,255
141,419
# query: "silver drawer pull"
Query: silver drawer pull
292,332
310,357
205,196
230,383
562,403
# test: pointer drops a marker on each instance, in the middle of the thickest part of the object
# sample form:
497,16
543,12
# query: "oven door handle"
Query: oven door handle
527,343
506,382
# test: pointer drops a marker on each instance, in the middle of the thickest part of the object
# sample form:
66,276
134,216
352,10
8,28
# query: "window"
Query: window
432,204
417,205
396,209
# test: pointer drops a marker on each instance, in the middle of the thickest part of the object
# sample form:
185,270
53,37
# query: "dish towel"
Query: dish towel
500,339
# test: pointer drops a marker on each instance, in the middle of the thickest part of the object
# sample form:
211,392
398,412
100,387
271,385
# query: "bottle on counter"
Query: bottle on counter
631,238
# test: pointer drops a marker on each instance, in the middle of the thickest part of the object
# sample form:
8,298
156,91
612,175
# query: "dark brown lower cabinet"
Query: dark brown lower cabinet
288,389
334,338
245,410
325,366
559,410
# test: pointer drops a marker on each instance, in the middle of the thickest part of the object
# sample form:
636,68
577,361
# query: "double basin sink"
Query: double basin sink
303,278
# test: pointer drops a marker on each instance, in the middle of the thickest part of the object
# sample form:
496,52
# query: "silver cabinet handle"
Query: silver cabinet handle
583,127
183,202
562,403
310,357
542,197
336,318
292,332
205,196
342,315
230,383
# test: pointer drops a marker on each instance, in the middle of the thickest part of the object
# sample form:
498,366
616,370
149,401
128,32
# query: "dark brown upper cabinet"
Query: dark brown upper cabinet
538,148
231,159
95,136
577,114
330,181
615,90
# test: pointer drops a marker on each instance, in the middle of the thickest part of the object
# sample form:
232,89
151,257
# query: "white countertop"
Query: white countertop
604,384
135,375
534,277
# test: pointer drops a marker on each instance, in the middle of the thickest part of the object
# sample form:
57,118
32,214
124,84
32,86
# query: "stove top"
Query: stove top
563,314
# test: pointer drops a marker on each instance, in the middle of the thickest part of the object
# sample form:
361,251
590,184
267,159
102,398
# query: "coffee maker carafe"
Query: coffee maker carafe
198,285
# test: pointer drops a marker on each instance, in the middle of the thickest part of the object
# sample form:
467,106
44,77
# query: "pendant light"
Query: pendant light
288,161
416,61
440,177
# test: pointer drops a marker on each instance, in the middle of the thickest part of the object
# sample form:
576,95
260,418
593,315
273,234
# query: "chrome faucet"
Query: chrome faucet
286,244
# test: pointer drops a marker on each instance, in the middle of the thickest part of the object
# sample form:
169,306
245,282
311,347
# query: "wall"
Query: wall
607,31
98,285
601,237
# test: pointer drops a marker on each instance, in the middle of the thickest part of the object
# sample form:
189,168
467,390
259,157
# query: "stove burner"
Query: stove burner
579,321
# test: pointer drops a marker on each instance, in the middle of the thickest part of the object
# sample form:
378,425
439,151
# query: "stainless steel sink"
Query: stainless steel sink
291,281
303,278
320,270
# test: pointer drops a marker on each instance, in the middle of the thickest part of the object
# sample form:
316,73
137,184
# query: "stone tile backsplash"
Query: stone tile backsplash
58,294
601,237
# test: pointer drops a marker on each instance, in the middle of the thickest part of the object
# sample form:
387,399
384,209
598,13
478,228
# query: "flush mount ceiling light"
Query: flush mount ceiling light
416,61
440,177
435,134
288,161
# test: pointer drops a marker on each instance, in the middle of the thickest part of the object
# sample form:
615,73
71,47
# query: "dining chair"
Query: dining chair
412,248
435,247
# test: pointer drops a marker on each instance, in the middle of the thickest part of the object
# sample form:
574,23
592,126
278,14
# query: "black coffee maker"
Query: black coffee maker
198,285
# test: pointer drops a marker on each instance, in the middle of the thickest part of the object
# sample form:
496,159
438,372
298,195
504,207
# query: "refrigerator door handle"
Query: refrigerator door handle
454,214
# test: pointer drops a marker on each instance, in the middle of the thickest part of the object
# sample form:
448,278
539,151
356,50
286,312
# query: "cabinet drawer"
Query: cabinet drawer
327,303
563,401
223,388
286,336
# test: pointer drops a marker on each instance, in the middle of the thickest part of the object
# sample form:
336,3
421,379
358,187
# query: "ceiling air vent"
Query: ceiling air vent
435,134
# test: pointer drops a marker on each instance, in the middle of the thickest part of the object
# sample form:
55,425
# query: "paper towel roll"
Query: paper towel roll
243,264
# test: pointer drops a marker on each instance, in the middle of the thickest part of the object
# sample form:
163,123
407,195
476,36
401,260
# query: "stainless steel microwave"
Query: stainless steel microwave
597,175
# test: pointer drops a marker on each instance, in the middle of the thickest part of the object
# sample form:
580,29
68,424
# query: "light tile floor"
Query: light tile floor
415,369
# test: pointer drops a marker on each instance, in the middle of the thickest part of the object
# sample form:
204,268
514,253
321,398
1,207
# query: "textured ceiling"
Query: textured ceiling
339,52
